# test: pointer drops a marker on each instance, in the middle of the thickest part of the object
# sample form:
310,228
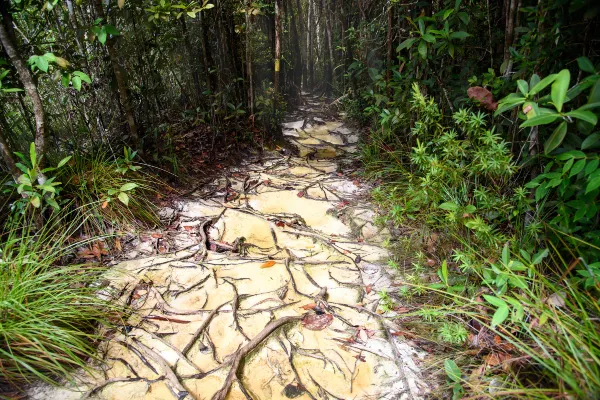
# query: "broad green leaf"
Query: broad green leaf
447,13
110,29
523,87
586,65
577,168
124,198
423,48
49,57
52,203
429,38
464,17
500,315
590,141
560,86
209,6
128,186
461,35
102,36
586,116
556,138
539,257
84,77
540,120
76,81
191,14
541,85
593,184
535,79
407,44
591,166
35,201
449,206
42,64
452,370
495,301
66,80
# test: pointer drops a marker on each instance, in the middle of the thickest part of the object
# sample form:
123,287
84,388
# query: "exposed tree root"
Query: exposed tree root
238,356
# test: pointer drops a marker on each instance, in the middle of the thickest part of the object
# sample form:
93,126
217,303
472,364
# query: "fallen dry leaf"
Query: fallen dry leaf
368,288
105,204
188,228
157,235
268,264
301,194
309,306
316,322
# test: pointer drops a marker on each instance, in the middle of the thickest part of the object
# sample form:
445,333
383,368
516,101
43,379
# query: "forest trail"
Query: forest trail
267,288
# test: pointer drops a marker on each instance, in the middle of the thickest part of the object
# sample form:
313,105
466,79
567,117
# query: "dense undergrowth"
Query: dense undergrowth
498,186
58,223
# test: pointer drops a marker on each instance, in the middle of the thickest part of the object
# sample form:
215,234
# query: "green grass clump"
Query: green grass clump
49,313
93,183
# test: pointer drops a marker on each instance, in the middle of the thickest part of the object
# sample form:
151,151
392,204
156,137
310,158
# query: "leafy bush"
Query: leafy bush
50,313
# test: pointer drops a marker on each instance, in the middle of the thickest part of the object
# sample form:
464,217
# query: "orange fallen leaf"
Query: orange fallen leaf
268,264
188,228
157,235
368,288
105,204
309,306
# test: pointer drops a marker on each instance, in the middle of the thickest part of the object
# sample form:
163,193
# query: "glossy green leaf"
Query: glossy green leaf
76,81
423,48
541,85
407,44
590,141
586,116
124,198
586,65
540,120
560,86
460,35
556,138
128,186
523,87
593,184
452,370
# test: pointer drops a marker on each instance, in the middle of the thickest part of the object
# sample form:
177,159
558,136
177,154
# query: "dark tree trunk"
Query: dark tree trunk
9,43
121,80
8,157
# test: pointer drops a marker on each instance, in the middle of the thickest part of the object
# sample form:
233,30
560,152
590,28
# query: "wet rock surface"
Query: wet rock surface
267,289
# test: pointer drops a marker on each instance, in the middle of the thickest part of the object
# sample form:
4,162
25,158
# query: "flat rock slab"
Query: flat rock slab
268,291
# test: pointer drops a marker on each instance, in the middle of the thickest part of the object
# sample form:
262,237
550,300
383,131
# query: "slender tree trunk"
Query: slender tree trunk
8,157
509,35
328,58
390,28
191,60
296,53
277,47
249,63
309,45
10,46
206,55
121,81
302,30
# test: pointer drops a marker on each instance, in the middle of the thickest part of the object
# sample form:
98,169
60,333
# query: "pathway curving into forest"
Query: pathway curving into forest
266,288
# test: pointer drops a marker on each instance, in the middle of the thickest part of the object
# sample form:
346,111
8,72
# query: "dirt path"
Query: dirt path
267,288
